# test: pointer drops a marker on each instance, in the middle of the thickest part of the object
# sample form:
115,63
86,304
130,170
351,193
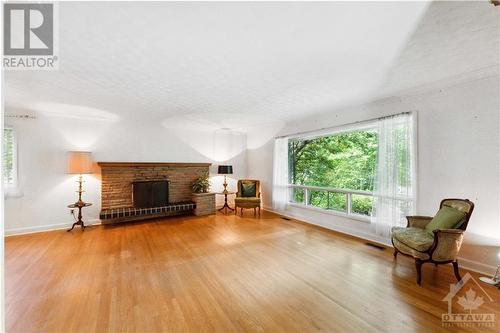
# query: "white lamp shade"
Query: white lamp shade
79,162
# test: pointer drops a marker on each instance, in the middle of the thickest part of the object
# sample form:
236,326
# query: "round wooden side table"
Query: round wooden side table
79,205
226,206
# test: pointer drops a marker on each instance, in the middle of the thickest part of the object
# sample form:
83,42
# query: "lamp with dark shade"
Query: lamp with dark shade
79,163
225,170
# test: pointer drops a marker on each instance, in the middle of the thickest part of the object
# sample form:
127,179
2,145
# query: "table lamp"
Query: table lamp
79,163
225,170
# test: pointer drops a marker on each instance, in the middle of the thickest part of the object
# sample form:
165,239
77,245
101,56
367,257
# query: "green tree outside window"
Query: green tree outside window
344,161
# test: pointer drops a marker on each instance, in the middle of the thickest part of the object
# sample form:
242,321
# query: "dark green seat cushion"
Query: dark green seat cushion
248,189
446,218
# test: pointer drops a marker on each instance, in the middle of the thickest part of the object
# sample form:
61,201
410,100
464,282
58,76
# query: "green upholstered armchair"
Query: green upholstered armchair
434,239
248,195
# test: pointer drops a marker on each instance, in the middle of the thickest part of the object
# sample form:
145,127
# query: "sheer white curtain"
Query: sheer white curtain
280,173
394,186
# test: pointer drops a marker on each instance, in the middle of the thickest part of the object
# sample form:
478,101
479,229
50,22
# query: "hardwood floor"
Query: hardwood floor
220,273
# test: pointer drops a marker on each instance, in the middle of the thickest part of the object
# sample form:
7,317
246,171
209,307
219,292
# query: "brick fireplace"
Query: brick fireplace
117,187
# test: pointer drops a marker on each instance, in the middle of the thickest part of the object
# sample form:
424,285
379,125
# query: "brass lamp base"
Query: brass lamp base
79,204
225,191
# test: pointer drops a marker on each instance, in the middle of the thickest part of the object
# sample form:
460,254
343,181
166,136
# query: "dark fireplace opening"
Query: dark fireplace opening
150,194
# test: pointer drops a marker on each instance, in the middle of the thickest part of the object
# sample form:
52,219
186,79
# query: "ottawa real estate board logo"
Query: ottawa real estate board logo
467,301
30,36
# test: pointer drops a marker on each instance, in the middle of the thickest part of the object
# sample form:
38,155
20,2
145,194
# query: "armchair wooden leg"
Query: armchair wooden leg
259,210
254,212
455,270
418,266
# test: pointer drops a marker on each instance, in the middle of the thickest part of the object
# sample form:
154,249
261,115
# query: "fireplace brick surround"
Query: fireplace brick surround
117,178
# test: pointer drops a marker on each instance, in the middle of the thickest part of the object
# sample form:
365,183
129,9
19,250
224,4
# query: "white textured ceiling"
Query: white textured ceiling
202,62
453,41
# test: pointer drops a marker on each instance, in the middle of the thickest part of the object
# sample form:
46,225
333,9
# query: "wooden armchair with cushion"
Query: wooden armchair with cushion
248,195
434,239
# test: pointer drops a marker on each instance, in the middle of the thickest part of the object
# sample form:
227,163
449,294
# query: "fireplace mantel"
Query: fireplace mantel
152,164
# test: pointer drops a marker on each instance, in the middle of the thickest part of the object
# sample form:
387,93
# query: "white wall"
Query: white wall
458,156
46,189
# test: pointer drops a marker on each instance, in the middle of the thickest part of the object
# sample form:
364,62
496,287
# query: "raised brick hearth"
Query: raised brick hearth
117,179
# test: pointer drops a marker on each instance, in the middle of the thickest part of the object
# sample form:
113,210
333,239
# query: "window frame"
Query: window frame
348,213
354,127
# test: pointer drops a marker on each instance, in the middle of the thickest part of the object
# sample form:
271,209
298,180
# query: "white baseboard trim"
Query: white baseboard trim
463,262
44,228
346,231
477,267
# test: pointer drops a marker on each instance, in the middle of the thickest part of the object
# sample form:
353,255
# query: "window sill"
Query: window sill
360,218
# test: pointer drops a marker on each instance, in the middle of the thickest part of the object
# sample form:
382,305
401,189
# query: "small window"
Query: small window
9,158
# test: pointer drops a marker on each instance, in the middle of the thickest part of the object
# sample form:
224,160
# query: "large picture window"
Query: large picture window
341,161
363,171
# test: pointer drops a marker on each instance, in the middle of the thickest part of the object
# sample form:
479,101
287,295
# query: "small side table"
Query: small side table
226,206
79,205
